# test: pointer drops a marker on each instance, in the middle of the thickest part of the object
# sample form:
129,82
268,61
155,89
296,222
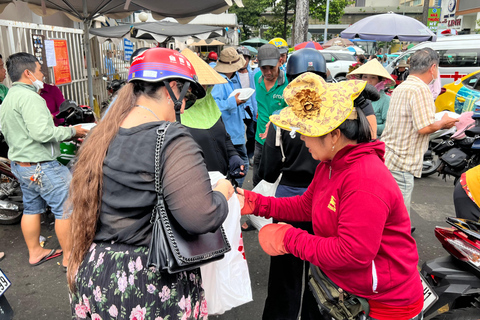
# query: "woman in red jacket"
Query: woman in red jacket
362,235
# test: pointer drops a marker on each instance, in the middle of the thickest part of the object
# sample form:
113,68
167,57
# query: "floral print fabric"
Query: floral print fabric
113,282
316,107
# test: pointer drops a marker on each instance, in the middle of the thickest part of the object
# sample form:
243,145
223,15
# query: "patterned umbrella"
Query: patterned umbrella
338,42
309,44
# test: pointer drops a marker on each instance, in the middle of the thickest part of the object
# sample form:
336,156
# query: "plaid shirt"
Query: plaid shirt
411,109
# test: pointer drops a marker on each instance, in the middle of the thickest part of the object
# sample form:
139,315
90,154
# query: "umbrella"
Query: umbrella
251,49
338,42
356,49
308,44
199,43
87,10
158,30
215,42
389,26
254,42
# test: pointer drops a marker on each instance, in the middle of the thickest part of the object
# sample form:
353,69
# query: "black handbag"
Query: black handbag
455,158
172,248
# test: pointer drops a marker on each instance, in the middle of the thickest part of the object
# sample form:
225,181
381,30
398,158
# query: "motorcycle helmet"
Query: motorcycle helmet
281,44
115,85
161,64
212,56
244,51
306,60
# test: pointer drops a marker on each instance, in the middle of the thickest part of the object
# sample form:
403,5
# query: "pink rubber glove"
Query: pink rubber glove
271,238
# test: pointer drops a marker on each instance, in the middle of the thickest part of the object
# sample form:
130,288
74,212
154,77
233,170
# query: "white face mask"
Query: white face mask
37,83
433,80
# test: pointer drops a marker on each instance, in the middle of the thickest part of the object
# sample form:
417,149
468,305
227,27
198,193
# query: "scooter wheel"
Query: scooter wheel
8,217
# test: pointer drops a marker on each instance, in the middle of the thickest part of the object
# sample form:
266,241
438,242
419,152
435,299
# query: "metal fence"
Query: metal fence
17,37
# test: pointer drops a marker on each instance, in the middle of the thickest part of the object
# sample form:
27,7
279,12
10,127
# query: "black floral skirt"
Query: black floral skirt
113,282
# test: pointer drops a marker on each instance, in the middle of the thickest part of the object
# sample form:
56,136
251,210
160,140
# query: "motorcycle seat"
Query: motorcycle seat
475,131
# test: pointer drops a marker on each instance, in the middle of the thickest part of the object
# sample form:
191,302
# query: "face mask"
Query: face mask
433,81
37,84
380,86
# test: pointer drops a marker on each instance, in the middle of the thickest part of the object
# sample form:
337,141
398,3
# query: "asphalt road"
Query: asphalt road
41,292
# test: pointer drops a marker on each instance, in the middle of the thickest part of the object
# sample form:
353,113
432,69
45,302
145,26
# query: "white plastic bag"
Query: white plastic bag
227,282
266,189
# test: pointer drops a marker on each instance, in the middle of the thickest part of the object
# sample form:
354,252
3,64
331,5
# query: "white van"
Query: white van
459,56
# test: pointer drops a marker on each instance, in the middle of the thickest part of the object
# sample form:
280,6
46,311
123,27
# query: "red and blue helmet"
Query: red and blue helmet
161,64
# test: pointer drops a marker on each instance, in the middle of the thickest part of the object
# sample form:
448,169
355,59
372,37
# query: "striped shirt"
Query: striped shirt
411,109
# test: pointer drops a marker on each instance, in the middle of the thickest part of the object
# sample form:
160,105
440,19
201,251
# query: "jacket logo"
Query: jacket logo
278,96
333,204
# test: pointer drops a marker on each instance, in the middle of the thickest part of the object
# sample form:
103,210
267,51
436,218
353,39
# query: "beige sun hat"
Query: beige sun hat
402,64
229,61
205,73
373,67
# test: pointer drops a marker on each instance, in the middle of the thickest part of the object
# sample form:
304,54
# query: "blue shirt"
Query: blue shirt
232,115
212,64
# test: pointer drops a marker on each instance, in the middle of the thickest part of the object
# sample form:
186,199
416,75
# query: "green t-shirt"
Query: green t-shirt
3,92
268,102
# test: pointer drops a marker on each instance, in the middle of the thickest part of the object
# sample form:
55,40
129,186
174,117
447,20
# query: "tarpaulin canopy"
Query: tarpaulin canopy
87,10
389,26
159,31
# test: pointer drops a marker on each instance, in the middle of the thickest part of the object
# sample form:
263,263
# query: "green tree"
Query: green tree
318,8
249,16
276,24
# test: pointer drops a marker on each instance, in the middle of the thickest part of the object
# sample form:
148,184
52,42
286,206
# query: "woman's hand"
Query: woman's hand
225,187
247,201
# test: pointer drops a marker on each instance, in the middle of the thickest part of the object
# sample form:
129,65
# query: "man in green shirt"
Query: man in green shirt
34,146
3,73
269,86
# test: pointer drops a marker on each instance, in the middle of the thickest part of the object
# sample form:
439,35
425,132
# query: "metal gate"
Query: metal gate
17,37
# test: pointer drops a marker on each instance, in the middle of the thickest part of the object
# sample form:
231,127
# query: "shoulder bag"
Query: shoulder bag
172,248
333,300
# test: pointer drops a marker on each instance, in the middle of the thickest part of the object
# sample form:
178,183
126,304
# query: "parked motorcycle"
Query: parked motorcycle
453,282
431,158
461,154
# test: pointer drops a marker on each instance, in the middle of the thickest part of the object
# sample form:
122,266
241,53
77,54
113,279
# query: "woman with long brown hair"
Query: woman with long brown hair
113,196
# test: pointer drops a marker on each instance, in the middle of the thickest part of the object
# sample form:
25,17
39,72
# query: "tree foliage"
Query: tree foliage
249,16
318,8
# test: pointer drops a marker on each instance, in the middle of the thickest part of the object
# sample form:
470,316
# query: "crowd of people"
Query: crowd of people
347,154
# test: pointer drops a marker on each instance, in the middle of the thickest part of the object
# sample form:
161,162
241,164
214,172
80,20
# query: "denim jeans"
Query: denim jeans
242,152
405,183
52,190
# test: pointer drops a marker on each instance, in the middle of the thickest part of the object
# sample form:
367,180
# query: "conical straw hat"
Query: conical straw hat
372,67
205,73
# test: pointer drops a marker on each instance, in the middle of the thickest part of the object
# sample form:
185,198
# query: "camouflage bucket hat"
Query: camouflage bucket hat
316,107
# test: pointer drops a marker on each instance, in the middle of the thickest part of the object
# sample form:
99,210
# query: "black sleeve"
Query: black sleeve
187,188
271,162
368,109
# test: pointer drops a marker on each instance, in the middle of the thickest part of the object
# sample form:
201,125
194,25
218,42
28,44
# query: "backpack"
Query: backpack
332,299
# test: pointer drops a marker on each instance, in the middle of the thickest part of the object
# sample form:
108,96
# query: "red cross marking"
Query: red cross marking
455,76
